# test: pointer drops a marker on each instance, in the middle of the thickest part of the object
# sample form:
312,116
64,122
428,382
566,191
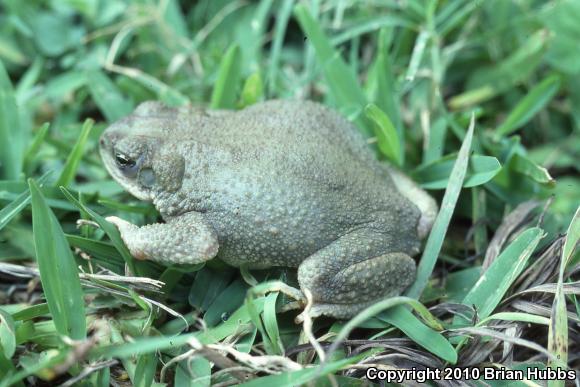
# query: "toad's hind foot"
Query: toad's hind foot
346,277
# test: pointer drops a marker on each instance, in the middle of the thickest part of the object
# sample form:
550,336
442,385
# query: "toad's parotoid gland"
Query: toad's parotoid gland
280,183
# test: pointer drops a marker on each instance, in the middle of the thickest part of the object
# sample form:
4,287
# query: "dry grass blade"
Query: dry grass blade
508,225
558,333
501,337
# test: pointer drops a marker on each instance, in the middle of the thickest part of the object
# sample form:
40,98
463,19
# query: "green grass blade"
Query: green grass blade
253,90
387,136
282,18
152,344
525,166
515,316
271,323
343,83
437,235
107,96
145,370
371,24
65,84
572,238
225,303
141,346
417,55
267,324
7,334
496,79
58,271
530,105
436,175
393,311
387,94
110,229
495,281
11,141
436,142
42,363
7,369
32,312
18,204
34,147
421,334
226,85
193,373
72,162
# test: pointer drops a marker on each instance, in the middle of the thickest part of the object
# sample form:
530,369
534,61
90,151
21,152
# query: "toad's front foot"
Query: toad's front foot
185,239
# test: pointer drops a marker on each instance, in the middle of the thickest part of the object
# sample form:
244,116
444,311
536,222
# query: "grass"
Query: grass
478,101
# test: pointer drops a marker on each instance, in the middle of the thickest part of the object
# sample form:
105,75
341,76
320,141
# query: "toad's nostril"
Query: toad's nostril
103,141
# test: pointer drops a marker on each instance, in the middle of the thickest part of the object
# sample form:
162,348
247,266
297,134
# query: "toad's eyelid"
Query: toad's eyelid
121,157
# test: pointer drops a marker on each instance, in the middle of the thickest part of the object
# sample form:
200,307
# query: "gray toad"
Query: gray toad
280,183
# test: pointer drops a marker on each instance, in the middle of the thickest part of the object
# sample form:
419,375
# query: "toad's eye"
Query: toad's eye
126,164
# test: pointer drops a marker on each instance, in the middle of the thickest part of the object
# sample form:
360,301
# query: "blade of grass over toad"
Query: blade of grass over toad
435,240
387,137
11,133
225,89
18,204
531,104
341,80
489,290
72,162
558,331
58,271
108,228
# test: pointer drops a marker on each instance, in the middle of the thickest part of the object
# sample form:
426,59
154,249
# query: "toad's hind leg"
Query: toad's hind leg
347,276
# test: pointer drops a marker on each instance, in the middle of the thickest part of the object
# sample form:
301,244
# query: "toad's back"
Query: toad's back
281,180
276,184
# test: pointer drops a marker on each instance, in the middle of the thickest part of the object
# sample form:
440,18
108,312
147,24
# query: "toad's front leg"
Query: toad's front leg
187,238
